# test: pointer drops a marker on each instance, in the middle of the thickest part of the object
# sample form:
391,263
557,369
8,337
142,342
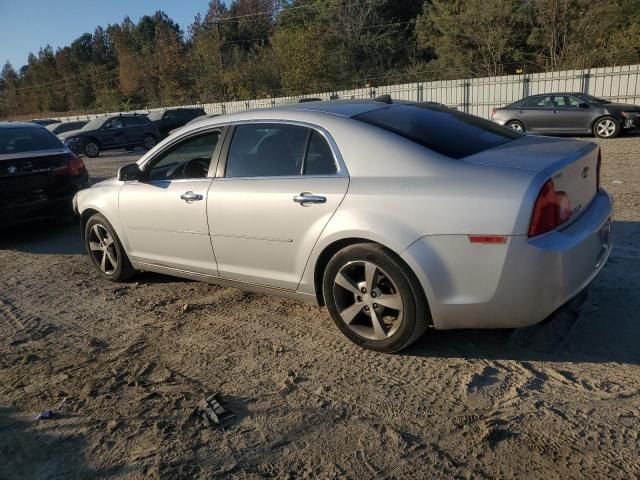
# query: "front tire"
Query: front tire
106,251
91,149
374,298
516,125
606,127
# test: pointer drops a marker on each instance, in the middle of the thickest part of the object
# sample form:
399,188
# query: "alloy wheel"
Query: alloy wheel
606,127
149,142
368,300
516,126
91,149
103,249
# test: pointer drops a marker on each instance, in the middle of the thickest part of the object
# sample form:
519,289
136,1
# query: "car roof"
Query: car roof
19,125
345,108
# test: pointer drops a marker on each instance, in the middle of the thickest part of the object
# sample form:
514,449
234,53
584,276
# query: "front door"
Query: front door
112,134
278,189
165,214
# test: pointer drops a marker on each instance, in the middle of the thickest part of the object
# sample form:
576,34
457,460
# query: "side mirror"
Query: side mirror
129,173
583,105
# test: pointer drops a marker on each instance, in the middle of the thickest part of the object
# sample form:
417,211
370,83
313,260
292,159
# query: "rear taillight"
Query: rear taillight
76,165
493,113
551,210
598,170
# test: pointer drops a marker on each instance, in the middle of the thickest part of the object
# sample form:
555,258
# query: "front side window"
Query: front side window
267,150
189,159
114,123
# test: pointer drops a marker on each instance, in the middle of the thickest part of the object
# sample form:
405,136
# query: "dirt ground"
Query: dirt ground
558,400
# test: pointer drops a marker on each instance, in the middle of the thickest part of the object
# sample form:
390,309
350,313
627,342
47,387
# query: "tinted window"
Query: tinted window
25,139
191,158
319,159
155,116
266,150
135,121
95,123
440,129
117,122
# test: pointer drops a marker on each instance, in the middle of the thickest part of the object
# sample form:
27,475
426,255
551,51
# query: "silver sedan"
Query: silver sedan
396,216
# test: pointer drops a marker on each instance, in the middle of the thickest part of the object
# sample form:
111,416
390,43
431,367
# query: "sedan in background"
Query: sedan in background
62,127
112,132
38,175
396,216
172,118
568,114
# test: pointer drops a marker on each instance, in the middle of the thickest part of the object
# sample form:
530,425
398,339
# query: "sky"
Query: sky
28,25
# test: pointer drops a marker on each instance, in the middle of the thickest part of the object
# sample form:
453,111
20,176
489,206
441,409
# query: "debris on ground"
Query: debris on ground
213,412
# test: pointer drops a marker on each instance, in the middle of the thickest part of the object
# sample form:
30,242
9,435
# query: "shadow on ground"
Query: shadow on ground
43,450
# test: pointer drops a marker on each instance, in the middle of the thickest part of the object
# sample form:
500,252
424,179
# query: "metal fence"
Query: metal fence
477,96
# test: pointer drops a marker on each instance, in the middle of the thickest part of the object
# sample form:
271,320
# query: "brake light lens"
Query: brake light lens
76,165
551,210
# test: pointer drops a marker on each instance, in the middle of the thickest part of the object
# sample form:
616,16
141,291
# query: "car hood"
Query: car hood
71,133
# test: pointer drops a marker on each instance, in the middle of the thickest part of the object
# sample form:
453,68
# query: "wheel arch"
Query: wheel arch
330,250
600,117
84,218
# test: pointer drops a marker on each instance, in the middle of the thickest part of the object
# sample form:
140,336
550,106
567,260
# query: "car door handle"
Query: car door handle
190,197
306,198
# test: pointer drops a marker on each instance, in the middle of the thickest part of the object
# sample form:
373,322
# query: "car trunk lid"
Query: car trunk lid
571,164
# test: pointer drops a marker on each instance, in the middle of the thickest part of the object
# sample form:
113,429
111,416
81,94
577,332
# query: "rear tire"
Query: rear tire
106,251
516,125
606,127
91,149
374,298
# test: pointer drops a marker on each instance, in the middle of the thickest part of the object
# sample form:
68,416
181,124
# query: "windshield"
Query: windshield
26,139
95,123
593,99
154,116
440,129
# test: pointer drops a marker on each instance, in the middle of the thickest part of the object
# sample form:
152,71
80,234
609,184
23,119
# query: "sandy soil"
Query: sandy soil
558,400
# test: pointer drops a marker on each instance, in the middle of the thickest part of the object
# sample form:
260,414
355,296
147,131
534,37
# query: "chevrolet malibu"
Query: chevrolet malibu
396,216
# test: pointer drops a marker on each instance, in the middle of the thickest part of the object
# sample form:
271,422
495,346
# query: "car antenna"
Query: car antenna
384,99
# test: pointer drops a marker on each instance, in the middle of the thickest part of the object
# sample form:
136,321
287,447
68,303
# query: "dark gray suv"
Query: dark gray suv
112,132
568,113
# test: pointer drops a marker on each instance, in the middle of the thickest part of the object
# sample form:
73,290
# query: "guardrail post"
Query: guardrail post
526,86
420,92
586,76
466,102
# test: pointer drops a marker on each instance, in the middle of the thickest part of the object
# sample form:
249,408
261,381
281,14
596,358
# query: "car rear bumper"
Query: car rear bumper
51,206
514,284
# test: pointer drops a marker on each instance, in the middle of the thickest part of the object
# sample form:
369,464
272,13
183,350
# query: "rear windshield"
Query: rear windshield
440,129
26,139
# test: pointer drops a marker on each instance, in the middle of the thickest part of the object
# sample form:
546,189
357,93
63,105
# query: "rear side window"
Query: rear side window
266,150
440,129
135,121
319,159
20,140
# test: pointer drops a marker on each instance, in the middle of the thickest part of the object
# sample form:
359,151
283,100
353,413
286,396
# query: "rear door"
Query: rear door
539,114
276,188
